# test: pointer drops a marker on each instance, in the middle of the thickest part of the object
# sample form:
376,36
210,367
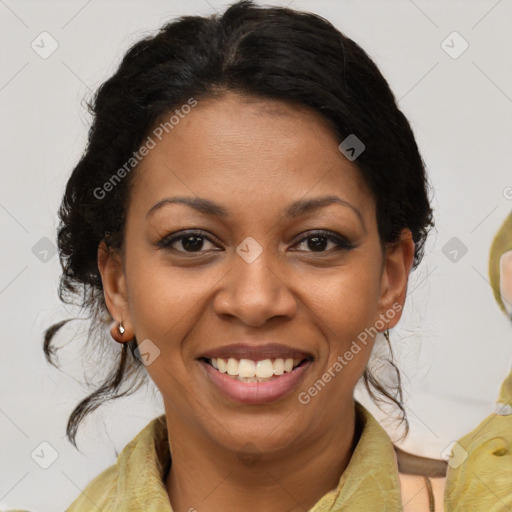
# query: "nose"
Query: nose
255,292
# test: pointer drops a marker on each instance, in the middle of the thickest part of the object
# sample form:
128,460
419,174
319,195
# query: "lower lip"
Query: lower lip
256,392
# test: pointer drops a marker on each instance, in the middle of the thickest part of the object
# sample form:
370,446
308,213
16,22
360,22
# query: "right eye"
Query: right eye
191,241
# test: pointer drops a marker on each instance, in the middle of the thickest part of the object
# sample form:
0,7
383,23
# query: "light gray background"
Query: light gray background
454,346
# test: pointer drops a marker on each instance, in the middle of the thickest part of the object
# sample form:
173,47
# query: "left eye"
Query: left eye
317,241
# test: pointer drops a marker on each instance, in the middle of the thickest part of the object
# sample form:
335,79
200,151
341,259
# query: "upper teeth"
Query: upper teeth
248,368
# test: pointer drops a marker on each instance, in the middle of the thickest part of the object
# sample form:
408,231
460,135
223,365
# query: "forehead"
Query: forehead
249,152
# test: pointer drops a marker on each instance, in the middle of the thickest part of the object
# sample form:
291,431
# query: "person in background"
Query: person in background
480,470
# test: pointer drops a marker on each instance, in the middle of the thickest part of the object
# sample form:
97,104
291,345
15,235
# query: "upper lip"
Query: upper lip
256,352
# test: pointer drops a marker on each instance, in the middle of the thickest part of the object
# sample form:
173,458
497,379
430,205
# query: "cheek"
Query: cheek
346,300
165,302
347,309
156,305
163,308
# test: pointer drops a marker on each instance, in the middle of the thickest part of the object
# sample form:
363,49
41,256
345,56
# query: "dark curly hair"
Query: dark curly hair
276,53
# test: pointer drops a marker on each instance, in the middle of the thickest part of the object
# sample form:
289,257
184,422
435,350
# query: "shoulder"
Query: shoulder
136,477
101,490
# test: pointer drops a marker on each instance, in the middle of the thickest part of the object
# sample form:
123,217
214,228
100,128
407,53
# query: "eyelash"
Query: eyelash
340,242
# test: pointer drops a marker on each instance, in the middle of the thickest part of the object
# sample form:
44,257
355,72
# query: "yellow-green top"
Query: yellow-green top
136,480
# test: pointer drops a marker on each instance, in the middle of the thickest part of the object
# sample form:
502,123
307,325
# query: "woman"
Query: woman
246,215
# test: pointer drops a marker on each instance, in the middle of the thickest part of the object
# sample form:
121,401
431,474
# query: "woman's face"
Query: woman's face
258,274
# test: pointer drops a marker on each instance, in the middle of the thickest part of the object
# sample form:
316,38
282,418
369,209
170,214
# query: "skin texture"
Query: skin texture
254,157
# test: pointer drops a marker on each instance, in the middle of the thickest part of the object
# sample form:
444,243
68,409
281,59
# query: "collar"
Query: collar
370,481
137,480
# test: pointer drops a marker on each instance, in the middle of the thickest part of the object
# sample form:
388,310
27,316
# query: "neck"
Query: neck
205,476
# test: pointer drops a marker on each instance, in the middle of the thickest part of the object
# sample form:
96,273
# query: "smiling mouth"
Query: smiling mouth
248,370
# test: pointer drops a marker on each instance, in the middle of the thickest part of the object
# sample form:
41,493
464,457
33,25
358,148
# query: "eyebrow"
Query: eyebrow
296,209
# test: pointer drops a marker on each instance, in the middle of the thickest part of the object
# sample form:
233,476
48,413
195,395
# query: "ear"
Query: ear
110,265
398,259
